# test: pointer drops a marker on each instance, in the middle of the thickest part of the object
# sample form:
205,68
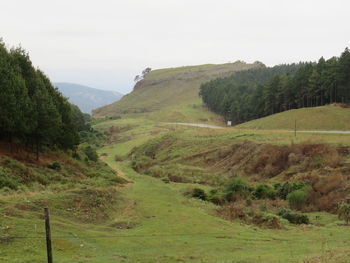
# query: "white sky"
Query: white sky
105,43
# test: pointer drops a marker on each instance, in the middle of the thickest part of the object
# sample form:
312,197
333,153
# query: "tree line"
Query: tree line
263,91
32,111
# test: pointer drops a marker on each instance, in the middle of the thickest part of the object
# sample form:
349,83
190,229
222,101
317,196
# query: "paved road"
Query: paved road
201,125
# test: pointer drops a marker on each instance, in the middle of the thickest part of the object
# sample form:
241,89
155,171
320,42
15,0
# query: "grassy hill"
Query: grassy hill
172,94
331,117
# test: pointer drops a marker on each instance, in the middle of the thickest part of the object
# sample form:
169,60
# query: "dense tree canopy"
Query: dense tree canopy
256,93
32,111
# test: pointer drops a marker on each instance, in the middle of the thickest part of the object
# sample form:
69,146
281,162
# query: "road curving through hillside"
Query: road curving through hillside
202,125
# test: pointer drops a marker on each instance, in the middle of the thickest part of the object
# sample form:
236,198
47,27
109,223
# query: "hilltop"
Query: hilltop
172,94
87,98
330,117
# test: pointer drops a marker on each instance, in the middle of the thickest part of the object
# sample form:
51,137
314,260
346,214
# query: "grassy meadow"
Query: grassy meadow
150,220
332,117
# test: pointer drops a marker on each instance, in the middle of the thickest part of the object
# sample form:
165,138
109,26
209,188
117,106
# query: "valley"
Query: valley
158,177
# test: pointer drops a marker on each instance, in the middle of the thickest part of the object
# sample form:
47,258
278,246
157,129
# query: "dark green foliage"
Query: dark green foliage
199,193
90,153
344,212
76,156
297,198
284,189
293,217
8,180
32,111
116,117
264,191
237,188
55,166
260,92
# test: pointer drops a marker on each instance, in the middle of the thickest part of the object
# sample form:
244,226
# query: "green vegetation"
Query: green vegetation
33,112
150,213
171,94
325,118
176,193
297,199
261,92
344,212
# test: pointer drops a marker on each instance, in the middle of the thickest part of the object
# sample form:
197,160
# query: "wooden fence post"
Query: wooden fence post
48,235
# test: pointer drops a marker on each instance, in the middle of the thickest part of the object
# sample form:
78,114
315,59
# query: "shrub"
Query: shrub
292,217
166,180
344,212
199,193
271,221
264,191
55,166
215,197
76,156
237,188
288,187
7,180
90,153
297,198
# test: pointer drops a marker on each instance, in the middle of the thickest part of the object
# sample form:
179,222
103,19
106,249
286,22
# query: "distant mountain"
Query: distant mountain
87,98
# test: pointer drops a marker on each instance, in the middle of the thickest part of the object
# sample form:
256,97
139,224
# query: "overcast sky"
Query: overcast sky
105,43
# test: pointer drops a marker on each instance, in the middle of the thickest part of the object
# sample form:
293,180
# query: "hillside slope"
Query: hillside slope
172,94
87,98
331,117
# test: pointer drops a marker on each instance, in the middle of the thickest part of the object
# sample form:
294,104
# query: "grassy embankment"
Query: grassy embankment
331,117
81,195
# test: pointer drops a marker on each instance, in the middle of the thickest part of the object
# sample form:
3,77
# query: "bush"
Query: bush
297,198
90,153
271,221
199,193
288,187
292,217
76,156
215,197
344,212
237,188
264,191
55,166
7,180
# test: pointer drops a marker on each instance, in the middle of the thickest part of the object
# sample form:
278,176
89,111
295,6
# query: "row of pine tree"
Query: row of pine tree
263,91
32,111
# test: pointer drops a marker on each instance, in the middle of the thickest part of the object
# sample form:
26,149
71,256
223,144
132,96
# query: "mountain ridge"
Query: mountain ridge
85,97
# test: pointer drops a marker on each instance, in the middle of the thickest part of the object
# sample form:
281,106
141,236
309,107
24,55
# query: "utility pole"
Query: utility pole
48,235
295,128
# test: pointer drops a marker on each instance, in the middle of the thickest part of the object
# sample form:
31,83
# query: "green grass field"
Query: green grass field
152,221
331,117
